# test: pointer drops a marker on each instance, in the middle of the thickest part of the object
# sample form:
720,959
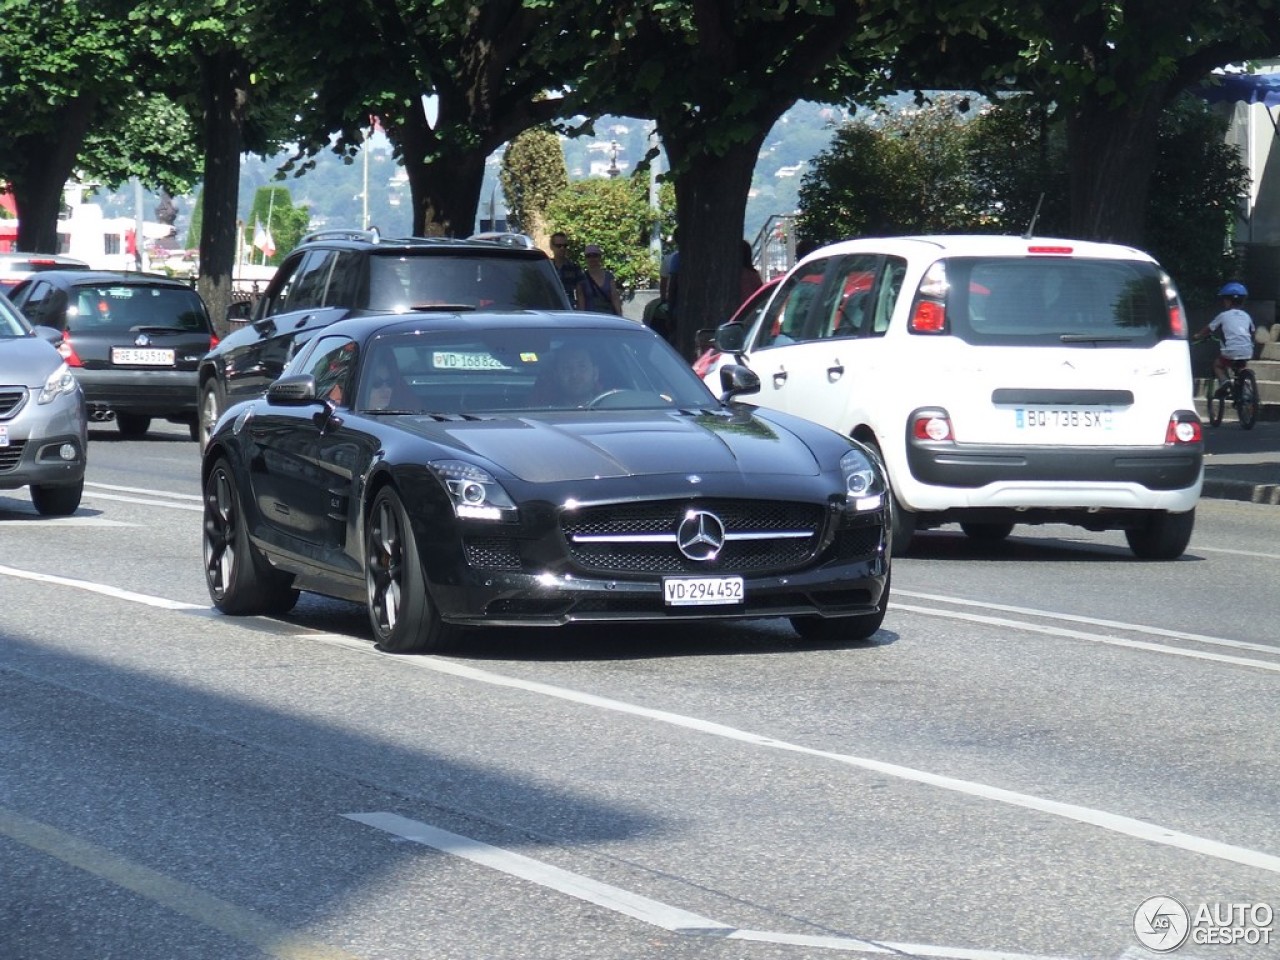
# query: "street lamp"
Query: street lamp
613,162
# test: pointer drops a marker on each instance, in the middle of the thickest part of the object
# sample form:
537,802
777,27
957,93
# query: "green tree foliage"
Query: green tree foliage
933,171
147,137
715,76
616,215
532,174
1105,68
60,62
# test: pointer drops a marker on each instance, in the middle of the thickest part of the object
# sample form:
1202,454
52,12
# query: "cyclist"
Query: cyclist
1236,329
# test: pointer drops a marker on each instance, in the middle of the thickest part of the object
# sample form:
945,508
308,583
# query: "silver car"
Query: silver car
44,426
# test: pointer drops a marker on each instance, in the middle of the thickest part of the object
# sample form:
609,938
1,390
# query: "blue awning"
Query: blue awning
1261,88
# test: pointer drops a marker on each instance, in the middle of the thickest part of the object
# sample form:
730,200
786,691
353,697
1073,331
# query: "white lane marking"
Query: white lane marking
195,508
100,588
1115,823
146,490
1093,637
33,520
1091,621
636,906
243,925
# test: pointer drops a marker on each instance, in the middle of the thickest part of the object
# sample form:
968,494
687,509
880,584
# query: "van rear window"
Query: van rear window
1056,300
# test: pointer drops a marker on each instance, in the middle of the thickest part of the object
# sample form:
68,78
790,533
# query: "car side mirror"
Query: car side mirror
737,381
730,337
298,390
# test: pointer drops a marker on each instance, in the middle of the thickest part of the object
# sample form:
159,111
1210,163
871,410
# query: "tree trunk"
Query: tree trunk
444,180
711,208
1111,154
50,161
225,89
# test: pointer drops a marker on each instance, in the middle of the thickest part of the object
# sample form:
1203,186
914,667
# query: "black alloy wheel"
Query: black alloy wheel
240,580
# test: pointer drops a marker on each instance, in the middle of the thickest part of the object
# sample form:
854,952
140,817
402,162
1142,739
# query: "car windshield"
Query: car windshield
1008,300
120,307
516,370
402,283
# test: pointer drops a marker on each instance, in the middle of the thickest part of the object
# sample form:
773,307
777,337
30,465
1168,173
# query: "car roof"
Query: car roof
365,326
981,245
98,277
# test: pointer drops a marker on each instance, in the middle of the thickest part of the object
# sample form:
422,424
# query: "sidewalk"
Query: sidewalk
1242,464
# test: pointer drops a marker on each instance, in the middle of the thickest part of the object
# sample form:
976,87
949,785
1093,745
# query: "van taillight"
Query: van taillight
932,425
929,317
1177,325
1183,428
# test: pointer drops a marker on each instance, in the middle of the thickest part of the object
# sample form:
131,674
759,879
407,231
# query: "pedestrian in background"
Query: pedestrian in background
570,273
598,290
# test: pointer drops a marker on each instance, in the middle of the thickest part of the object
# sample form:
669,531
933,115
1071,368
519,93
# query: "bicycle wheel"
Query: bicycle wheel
1247,398
1215,401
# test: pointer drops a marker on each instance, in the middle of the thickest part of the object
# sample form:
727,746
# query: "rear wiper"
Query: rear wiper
441,307
157,329
1095,338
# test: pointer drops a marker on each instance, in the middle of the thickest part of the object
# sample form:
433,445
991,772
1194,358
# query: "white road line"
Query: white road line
193,507
1115,823
1091,621
146,490
639,907
100,588
1111,822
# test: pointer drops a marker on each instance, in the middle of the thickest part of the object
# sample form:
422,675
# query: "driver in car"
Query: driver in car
574,380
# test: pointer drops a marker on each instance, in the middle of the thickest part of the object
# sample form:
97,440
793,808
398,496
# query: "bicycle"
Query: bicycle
1242,391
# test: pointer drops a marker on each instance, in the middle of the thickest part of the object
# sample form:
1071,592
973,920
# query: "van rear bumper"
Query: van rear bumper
970,466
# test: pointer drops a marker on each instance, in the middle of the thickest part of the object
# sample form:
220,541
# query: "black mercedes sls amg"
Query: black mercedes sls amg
457,468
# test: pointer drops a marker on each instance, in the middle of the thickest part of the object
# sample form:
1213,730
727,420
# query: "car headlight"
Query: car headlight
863,481
59,383
474,493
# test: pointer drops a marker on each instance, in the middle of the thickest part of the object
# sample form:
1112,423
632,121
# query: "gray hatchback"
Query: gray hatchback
43,427
133,340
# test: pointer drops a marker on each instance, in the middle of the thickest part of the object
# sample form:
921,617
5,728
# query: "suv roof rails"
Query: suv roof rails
372,236
507,238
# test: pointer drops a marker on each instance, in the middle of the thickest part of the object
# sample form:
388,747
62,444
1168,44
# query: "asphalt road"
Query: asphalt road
1044,736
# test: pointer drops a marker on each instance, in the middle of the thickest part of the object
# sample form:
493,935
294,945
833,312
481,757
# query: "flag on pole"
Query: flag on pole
262,239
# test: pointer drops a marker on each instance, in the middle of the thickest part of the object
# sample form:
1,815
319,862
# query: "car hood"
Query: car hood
577,446
27,361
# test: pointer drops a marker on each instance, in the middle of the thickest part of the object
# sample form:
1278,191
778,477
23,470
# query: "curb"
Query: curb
1240,490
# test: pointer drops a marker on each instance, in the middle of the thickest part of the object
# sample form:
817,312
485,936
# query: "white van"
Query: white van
1004,380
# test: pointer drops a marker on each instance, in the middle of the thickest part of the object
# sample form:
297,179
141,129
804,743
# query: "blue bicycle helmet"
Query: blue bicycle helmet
1234,289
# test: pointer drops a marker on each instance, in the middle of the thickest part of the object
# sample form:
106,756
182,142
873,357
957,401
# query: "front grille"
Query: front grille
780,536
12,399
492,553
11,456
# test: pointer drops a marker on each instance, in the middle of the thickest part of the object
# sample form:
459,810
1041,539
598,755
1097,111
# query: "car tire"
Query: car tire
133,425
59,500
403,616
211,406
835,631
240,580
1163,536
988,533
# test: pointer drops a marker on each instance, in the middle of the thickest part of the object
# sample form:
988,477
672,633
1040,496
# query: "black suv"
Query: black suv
133,340
337,274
